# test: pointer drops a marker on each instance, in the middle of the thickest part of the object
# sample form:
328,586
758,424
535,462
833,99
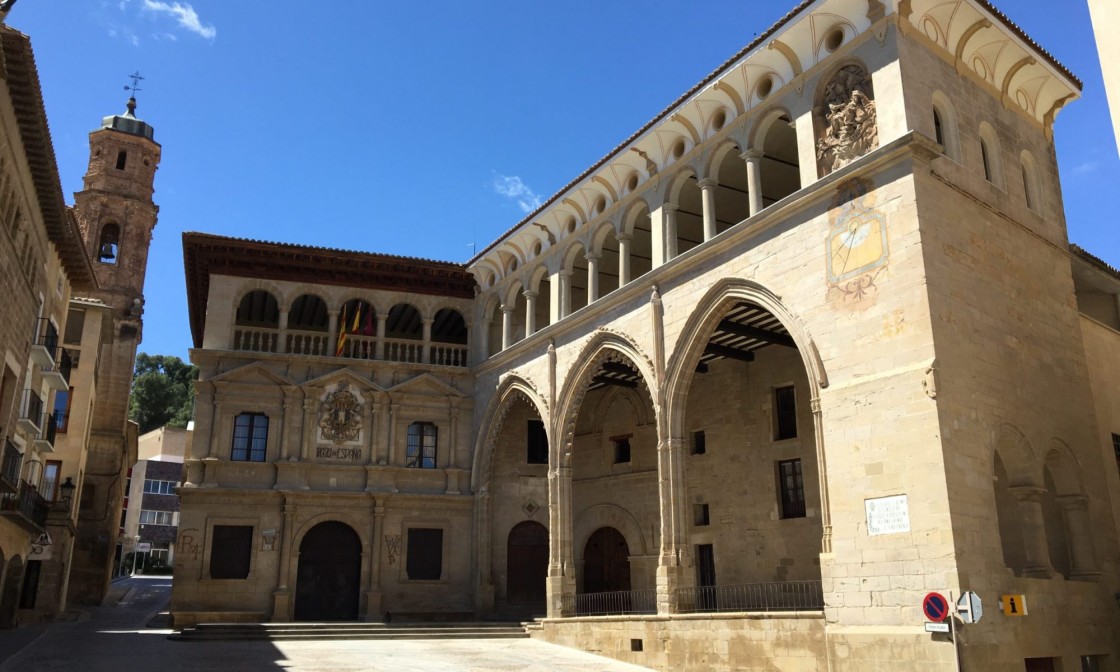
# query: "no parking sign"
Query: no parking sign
935,607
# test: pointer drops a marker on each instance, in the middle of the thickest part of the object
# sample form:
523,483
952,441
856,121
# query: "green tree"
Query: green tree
162,392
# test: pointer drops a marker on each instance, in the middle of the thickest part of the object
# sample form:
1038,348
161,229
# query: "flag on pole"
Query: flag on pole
368,330
357,319
341,334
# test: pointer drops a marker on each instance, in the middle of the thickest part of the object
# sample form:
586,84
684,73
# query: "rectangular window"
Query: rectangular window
62,408
421,453
48,488
537,448
425,554
122,159
231,551
250,437
621,446
1116,448
785,413
156,517
75,322
699,444
987,161
1091,663
791,489
700,514
152,487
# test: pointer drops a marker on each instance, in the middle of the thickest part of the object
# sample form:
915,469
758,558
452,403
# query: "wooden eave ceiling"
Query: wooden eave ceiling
742,332
205,254
27,100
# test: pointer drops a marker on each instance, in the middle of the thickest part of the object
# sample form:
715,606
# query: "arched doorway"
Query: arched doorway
606,562
328,578
9,592
527,564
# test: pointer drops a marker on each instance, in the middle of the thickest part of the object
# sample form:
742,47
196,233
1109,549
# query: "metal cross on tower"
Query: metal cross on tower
136,79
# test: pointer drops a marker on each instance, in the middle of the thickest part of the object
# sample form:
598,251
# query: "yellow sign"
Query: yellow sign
1013,605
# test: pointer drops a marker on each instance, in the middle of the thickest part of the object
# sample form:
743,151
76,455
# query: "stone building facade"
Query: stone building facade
803,349
72,280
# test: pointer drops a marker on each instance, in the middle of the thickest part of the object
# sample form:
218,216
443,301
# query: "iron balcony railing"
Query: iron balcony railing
28,503
31,408
783,596
49,427
606,604
10,465
46,335
61,363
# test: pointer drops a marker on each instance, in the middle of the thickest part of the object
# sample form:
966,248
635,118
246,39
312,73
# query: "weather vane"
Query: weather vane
136,78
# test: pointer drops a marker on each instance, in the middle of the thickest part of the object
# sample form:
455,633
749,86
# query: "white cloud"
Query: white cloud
514,189
1085,168
184,14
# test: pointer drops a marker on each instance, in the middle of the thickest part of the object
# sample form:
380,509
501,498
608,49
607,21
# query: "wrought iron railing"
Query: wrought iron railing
32,407
606,604
10,465
61,364
46,335
783,596
48,427
28,503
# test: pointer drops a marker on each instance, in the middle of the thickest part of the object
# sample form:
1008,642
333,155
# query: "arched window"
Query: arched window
1031,189
258,308
990,155
945,126
308,313
1009,519
404,322
108,246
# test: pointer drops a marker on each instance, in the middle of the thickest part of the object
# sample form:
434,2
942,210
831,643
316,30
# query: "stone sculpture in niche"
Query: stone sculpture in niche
849,123
340,416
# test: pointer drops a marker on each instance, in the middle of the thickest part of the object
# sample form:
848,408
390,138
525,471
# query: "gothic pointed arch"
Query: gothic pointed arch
512,386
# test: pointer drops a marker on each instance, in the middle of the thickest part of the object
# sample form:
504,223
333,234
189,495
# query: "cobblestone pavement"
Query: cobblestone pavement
118,637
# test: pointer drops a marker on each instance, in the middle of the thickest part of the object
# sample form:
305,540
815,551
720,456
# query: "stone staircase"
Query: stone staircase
210,632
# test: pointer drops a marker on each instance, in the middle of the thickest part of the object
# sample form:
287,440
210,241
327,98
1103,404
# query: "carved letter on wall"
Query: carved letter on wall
340,416
846,120
393,547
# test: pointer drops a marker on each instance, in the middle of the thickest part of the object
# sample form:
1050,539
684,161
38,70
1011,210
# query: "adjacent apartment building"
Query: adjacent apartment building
808,346
151,508
69,327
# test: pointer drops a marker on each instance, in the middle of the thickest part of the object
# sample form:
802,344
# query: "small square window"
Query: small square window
699,445
700,515
785,413
621,449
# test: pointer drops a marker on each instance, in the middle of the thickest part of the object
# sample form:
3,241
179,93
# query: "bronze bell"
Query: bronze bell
106,251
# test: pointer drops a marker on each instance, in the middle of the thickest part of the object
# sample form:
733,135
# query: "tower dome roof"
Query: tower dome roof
128,123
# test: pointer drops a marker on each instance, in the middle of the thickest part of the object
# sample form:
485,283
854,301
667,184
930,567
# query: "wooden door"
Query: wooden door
606,562
527,563
328,576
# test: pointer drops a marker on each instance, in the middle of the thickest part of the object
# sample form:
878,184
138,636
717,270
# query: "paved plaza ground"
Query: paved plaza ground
120,637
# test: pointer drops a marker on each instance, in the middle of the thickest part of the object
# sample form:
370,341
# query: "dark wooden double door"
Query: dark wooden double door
606,562
328,578
527,564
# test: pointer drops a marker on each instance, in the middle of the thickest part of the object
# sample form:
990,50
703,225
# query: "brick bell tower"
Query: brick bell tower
116,216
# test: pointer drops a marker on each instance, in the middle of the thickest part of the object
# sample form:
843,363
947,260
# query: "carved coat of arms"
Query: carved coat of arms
340,416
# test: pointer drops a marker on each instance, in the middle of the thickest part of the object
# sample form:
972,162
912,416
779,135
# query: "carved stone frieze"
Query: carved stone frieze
847,113
340,415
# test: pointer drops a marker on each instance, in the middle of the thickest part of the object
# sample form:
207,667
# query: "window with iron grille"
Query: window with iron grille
250,437
791,489
537,448
422,444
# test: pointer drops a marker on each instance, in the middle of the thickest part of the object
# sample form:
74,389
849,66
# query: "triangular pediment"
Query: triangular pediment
255,373
351,376
425,384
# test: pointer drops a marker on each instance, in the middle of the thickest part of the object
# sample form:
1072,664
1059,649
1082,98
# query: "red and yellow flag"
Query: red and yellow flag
341,334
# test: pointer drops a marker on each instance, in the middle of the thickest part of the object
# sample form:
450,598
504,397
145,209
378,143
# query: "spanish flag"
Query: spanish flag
357,319
341,334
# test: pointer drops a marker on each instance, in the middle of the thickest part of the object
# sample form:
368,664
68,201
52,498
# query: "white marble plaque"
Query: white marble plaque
887,515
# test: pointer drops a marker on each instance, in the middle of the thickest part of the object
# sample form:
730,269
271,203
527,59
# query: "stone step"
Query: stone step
311,631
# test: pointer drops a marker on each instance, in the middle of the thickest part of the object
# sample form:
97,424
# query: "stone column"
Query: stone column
561,576
204,415
623,259
592,277
530,312
507,326
1079,532
332,332
310,410
282,345
379,345
753,157
426,354
1034,531
565,278
484,601
282,597
674,563
373,596
708,201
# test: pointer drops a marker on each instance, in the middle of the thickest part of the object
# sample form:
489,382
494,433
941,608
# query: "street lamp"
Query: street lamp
67,489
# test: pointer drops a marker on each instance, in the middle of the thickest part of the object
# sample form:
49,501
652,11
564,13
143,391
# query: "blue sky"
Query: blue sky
421,128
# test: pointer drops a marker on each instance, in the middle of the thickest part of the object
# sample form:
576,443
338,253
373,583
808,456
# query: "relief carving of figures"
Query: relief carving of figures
849,121
340,415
